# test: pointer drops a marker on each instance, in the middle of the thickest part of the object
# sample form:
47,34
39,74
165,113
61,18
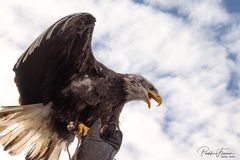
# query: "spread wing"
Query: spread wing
59,52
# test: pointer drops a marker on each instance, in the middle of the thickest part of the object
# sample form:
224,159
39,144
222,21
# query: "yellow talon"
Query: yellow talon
82,129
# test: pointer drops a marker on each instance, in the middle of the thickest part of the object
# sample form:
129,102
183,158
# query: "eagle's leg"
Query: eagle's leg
82,129
78,128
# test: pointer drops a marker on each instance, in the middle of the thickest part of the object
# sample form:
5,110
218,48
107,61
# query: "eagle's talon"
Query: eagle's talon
72,127
82,129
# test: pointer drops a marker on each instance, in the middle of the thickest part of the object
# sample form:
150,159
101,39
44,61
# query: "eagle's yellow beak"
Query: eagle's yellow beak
154,95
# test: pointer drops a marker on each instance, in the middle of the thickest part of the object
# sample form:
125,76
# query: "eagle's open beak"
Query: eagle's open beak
154,95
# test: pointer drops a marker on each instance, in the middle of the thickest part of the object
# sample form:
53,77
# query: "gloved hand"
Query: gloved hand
93,147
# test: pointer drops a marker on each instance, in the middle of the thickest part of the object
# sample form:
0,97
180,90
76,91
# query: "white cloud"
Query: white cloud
181,56
200,12
232,41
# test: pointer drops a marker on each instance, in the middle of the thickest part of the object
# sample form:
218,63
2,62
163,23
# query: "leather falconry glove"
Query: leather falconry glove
97,147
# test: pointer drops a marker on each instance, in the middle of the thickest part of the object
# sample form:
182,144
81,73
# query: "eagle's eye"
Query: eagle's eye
151,88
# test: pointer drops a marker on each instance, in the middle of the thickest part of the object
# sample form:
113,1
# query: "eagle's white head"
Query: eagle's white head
139,88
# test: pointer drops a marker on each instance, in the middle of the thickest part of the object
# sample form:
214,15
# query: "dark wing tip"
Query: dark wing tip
85,18
90,18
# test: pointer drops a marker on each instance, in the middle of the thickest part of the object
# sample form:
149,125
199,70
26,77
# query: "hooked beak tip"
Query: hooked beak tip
154,95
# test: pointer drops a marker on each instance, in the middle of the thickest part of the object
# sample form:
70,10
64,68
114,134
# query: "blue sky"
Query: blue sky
189,49
232,6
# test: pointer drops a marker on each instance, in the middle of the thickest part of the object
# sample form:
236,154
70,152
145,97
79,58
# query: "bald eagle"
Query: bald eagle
60,82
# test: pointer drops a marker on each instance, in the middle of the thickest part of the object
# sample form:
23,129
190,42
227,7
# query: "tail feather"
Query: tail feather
38,149
49,149
9,137
56,151
46,148
2,128
42,150
20,143
14,140
28,126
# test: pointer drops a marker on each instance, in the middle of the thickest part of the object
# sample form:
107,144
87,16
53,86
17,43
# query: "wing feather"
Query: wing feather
58,53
